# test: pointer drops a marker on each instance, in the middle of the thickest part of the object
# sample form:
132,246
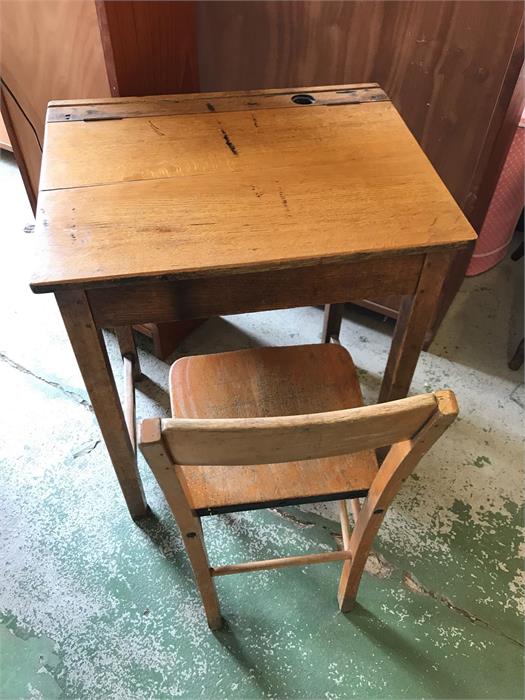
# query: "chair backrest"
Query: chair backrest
244,441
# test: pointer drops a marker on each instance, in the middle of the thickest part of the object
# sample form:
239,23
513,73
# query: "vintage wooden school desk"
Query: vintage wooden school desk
163,208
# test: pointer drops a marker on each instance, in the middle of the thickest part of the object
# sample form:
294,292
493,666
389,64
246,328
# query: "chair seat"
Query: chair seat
263,382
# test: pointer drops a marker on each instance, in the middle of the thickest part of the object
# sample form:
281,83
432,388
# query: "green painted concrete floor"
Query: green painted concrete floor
95,606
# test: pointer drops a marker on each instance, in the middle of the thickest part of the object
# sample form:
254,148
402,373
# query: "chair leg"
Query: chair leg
333,316
171,481
126,341
397,465
366,529
194,543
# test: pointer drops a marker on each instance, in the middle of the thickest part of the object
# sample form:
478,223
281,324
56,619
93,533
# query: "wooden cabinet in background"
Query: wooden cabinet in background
5,143
451,67
60,49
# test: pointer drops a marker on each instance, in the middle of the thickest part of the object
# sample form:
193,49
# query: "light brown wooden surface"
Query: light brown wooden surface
210,193
266,382
409,334
129,399
198,297
51,49
173,485
445,64
264,564
400,461
90,352
128,348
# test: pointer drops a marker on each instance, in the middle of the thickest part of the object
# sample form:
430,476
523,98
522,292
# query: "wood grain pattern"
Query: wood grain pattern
450,68
90,352
234,388
442,63
209,390
265,564
51,49
28,163
414,319
212,193
87,153
134,301
173,485
232,434
399,463
128,348
150,45
219,102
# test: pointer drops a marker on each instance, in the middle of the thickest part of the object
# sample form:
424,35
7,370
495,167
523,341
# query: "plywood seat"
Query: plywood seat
265,382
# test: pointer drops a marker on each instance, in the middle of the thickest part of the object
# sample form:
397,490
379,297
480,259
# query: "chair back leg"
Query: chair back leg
398,464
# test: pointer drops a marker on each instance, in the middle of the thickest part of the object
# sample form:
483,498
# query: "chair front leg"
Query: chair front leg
194,543
171,481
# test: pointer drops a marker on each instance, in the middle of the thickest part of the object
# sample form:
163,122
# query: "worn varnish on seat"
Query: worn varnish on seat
270,382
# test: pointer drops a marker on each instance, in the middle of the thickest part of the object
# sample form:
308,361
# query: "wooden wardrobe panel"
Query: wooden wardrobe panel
150,46
5,143
51,49
23,140
443,64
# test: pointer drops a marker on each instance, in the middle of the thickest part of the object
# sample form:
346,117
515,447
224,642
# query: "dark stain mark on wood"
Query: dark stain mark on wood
254,120
229,142
102,118
210,107
252,104
284,200
257,192
157,229
156,128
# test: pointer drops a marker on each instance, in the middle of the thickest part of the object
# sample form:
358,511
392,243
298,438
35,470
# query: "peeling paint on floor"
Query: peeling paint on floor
94,605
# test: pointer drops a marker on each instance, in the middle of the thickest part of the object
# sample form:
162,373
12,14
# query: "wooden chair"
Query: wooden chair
278,426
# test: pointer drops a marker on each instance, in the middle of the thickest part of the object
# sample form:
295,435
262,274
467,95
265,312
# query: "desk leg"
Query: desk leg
415,316
90,351
333,316
126,341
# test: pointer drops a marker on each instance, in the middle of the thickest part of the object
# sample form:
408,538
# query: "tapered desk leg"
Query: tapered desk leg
333,316
415,315
90,351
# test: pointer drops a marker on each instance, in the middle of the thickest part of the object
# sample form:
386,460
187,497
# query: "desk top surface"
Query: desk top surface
134,188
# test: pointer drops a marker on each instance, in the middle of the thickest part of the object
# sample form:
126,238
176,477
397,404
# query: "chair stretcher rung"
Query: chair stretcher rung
301,560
